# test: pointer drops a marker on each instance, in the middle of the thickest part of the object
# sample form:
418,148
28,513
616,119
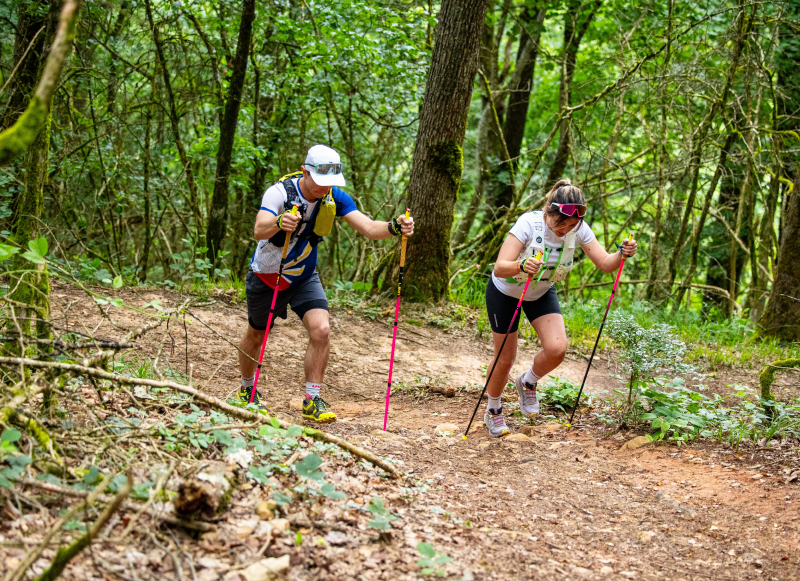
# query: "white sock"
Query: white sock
312,389
494,403
530,378
247,383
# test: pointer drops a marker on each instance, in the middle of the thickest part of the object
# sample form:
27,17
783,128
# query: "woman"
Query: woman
554,231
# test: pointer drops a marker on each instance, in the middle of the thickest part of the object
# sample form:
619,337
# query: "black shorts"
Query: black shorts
501,308
302,296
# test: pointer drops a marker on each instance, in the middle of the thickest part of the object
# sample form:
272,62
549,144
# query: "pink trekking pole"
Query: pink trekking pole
600,332
396,315
272,307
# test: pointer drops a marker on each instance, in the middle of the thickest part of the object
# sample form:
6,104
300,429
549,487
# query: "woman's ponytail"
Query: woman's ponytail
562,192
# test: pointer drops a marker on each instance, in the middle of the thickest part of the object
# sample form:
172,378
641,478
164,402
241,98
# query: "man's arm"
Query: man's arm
375,230
267,224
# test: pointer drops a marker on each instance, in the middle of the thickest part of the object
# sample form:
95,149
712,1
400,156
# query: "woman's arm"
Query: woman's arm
375,230
605,261
507,264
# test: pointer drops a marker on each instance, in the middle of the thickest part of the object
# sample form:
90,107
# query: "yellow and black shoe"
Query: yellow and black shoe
316,410
244,400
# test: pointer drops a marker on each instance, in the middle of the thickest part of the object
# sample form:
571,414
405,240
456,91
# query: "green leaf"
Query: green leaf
117,281
307,467
281,499
39,246
275,423
330,491
295,431
298,539
7,251
10,435
442,559
33,257
426,550
92,476
223,437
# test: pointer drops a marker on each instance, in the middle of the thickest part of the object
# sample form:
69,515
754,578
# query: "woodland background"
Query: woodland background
679,121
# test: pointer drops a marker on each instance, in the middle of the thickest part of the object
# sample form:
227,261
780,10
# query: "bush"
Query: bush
646,352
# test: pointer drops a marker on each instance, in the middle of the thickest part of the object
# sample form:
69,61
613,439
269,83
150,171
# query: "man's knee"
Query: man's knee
320,331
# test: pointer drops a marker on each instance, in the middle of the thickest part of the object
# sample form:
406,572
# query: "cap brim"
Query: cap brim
327,179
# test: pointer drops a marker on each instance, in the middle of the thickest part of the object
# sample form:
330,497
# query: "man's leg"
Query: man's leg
317,323
251,345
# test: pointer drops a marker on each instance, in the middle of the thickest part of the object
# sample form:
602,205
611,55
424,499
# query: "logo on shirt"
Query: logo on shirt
538,239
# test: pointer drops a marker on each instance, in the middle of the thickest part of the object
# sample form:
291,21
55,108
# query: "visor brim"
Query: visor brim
327,179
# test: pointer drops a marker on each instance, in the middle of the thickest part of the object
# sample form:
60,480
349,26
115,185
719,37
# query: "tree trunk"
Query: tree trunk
576,22
782,316
519,97
218,216
438,158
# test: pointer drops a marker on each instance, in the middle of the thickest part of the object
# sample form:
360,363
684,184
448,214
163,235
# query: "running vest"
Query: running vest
565,253
321,222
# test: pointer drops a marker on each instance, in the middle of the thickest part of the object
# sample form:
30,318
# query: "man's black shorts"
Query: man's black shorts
501,308
302,296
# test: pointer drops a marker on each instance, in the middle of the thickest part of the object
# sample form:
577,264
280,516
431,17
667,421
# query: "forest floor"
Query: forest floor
564,505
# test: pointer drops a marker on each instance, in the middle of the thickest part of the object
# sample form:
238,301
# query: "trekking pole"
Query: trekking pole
511,324
600,332
403,242
272,307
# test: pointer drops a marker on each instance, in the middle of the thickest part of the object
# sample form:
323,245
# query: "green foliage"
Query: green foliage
381,516
308,467
646,351
561,394
10,454
430,559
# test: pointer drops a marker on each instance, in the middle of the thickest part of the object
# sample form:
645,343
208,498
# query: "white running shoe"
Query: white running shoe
496,423
528,403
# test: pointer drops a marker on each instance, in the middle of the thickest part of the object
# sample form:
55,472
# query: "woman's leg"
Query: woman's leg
553,336
504,364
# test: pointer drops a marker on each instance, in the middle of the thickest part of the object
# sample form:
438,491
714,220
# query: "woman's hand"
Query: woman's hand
628,248
530,266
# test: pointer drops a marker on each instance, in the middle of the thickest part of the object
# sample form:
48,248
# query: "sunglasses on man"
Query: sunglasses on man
572,210
325,169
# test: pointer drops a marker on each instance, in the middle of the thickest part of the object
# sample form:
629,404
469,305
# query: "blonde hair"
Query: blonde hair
562,192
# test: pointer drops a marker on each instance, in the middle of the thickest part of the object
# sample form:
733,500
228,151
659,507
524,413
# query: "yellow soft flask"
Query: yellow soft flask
325,215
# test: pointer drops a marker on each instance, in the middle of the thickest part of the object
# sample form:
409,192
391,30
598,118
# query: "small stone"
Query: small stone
517,438
279,525
637,442
552,427
296,404
582,572
528,430
606,570
264,569
646,536
265,509
383,435
337,538
628,574
443,429
757,476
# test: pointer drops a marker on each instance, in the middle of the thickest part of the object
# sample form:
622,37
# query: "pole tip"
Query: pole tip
464,437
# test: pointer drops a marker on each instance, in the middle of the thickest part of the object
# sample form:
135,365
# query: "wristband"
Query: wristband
522,264
394,227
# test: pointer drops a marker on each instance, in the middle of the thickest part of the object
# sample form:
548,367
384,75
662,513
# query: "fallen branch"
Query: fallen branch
234,411
128,504
65,555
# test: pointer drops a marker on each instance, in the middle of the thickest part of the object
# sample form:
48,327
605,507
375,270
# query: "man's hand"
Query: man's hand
406,225
288,221
531,266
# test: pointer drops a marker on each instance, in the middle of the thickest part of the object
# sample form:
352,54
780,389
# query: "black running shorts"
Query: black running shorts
501,307
302,296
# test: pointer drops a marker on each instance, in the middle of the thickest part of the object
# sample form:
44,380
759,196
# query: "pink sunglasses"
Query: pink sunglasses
577,210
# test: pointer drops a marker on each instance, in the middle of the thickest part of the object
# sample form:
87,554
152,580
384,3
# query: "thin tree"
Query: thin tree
218,216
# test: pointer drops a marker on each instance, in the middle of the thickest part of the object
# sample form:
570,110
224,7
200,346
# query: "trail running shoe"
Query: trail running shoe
316,410
244,399
528,403
496,423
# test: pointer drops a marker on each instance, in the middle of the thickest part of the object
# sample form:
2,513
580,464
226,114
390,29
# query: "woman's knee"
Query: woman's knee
556,351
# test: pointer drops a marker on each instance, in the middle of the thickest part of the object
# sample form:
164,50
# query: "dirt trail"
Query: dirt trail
565,505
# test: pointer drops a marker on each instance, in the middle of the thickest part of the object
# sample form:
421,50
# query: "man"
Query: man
316,193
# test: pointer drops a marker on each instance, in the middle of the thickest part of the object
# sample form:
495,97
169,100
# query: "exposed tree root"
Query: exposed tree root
234,411
65,555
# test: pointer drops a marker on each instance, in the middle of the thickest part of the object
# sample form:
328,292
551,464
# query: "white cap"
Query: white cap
320,154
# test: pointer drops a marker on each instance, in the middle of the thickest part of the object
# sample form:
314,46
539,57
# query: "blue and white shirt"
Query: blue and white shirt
301,261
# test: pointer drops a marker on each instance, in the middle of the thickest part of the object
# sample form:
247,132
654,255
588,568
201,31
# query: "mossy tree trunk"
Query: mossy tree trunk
782,316
438,158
